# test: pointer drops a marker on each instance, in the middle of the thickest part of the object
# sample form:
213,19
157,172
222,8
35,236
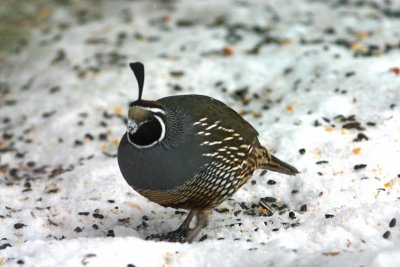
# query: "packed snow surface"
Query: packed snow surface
319,80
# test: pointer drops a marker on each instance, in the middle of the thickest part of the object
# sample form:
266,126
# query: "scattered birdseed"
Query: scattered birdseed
268,199
227,51
222,210
179,212
89,136
303,208
326,119
110,233
124,220
292,215
353,125
103,136
4,246
392,223
51,189
386,235
48,114
98,216
31,164
19,225
284,206
204,237
86,258
360,137
234,33
388,184
334,253
52,222
60,56
78,143
54,89
177,87
359,166
176,73
395,70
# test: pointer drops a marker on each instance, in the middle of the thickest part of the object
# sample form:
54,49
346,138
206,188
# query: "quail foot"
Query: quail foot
189,152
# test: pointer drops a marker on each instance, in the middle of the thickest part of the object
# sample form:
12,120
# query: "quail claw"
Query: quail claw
178,235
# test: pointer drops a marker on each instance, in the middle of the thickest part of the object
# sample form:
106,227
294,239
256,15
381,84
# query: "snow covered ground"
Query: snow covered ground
319,80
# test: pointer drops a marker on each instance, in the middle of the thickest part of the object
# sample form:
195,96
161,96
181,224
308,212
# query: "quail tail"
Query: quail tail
276,165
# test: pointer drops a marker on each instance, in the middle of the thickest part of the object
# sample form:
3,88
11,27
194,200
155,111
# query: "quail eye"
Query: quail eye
147,133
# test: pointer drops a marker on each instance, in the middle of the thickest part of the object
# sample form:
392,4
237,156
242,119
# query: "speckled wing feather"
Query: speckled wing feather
197,106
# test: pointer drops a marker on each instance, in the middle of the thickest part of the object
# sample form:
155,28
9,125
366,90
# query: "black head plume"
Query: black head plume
138,70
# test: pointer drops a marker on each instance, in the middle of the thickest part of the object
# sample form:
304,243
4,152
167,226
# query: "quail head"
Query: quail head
189,152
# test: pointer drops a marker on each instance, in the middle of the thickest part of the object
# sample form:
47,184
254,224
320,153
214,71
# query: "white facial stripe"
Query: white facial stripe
162,128
153,110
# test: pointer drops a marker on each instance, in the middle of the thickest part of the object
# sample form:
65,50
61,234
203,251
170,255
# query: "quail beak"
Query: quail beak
132,126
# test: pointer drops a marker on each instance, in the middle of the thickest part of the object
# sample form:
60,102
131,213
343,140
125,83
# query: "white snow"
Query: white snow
69,195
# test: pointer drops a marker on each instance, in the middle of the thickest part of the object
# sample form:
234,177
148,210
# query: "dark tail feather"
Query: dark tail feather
277,165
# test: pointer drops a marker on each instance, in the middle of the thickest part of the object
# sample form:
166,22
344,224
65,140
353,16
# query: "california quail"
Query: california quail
190,152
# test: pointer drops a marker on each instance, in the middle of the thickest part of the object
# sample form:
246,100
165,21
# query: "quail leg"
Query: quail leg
202,221
179,235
